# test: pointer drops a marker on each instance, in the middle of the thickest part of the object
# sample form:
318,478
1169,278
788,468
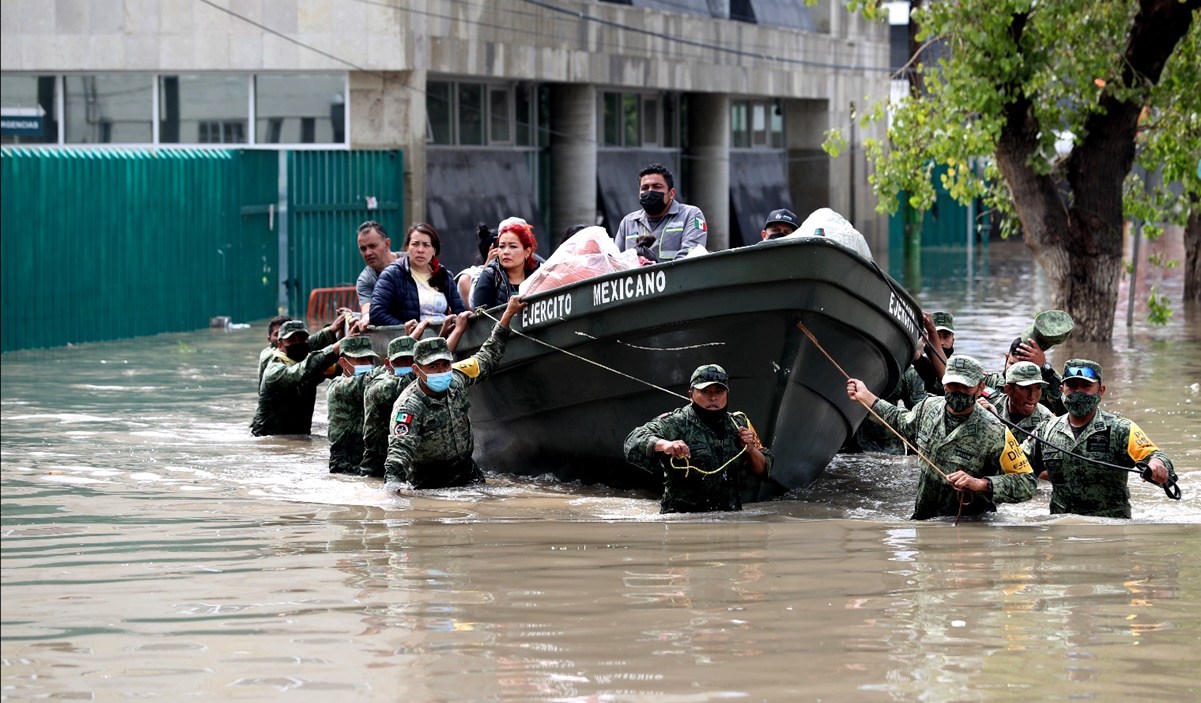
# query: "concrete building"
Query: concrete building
539,108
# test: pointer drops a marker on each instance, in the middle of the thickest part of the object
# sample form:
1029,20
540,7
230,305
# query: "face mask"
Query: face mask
1080,404
297,352
960,402
948,351
652,201
362,369
714,419
439,382
402,370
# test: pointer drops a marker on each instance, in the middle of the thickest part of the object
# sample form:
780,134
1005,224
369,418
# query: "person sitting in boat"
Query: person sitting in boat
344,404
376,249
466,278
664,228
515,246
416,286
980,464
780,223
288,389
702,451
430,443
1080,486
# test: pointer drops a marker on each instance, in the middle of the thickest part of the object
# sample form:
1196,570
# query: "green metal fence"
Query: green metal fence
108,244
328,198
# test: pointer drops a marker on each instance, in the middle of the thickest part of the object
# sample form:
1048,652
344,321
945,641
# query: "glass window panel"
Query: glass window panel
109,109
650,121
759,124
438,111
27,109
300,109
738,124
612,119
670,122
188,101
631,112
543,120
777,126
500,129
471,113
524,124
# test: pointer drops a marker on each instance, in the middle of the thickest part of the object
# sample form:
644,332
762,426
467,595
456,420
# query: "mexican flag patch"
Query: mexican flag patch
700,224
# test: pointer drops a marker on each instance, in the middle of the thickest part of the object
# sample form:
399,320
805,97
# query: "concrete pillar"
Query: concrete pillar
572,157
805,124
709,166
387,111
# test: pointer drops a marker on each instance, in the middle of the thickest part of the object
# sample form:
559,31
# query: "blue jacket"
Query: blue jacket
395,300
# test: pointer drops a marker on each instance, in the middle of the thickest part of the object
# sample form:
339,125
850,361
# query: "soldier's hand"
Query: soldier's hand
1030,351
858,392
983,402
966,482
513,307
676,448
1159,472
746,436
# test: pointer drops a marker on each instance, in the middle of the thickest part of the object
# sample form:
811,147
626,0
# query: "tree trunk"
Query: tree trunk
1192,255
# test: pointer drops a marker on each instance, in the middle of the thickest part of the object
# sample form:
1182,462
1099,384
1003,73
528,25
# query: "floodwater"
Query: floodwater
153,549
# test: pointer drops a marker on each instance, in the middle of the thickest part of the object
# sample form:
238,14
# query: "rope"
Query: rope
482,311
687,467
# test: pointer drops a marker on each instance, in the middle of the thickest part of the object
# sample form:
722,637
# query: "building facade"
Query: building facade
544,109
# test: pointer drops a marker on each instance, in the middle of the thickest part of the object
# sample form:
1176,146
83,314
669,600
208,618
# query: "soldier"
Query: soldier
381,394
272,342
701,450
1078,485
1019,403
940,329
344,403
431,443
288,389
1049,328
979,454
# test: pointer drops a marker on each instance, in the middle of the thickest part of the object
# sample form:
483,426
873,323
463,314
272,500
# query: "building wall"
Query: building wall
390,53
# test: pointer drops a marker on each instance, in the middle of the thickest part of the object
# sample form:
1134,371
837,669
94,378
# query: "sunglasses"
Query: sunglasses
1080,372
712,377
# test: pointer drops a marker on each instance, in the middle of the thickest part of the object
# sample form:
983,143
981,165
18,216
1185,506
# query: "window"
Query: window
634,119
756,124
480,114
439,110
203,108
109,109
300,109
27,110
500,119
471,113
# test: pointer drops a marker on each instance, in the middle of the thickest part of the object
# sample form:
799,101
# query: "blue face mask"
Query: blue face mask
402,370
439,382
362,369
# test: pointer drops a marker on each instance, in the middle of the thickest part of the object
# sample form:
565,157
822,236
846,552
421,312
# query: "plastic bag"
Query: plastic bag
826,223
586,254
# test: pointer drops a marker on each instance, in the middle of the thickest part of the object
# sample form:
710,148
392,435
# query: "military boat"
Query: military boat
545,410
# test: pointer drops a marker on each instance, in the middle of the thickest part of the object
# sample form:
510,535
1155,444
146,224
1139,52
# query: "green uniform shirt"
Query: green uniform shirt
344,404
872,435
980,446
430,443
378,399
1084,488
1000,401
288,392
689,491
323,338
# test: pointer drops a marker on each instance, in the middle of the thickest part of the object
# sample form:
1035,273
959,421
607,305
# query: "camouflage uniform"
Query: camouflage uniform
979,446
1079,486
323,338
872,435
378,399
344,404
1000,401
288,392
430,444
687,491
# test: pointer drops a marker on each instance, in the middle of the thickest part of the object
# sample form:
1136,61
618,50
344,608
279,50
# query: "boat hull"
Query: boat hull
545,410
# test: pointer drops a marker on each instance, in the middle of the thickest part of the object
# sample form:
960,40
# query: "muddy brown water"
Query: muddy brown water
153,549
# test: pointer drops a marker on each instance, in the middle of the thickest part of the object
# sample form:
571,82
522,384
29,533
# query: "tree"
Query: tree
1110,81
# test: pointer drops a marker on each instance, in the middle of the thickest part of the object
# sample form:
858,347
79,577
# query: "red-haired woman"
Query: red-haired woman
514,261
415,286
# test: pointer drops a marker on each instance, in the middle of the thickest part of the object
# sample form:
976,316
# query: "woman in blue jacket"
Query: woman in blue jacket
416,286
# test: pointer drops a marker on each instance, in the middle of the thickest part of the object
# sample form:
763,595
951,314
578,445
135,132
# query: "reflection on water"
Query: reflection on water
153,548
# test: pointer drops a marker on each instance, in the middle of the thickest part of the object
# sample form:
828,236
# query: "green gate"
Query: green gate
329,196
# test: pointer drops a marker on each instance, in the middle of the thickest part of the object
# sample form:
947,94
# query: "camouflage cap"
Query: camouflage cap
1082,368
963,369
1024,373
708,375
427,351
292,327
1050,327
401,346
358,347
943,321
